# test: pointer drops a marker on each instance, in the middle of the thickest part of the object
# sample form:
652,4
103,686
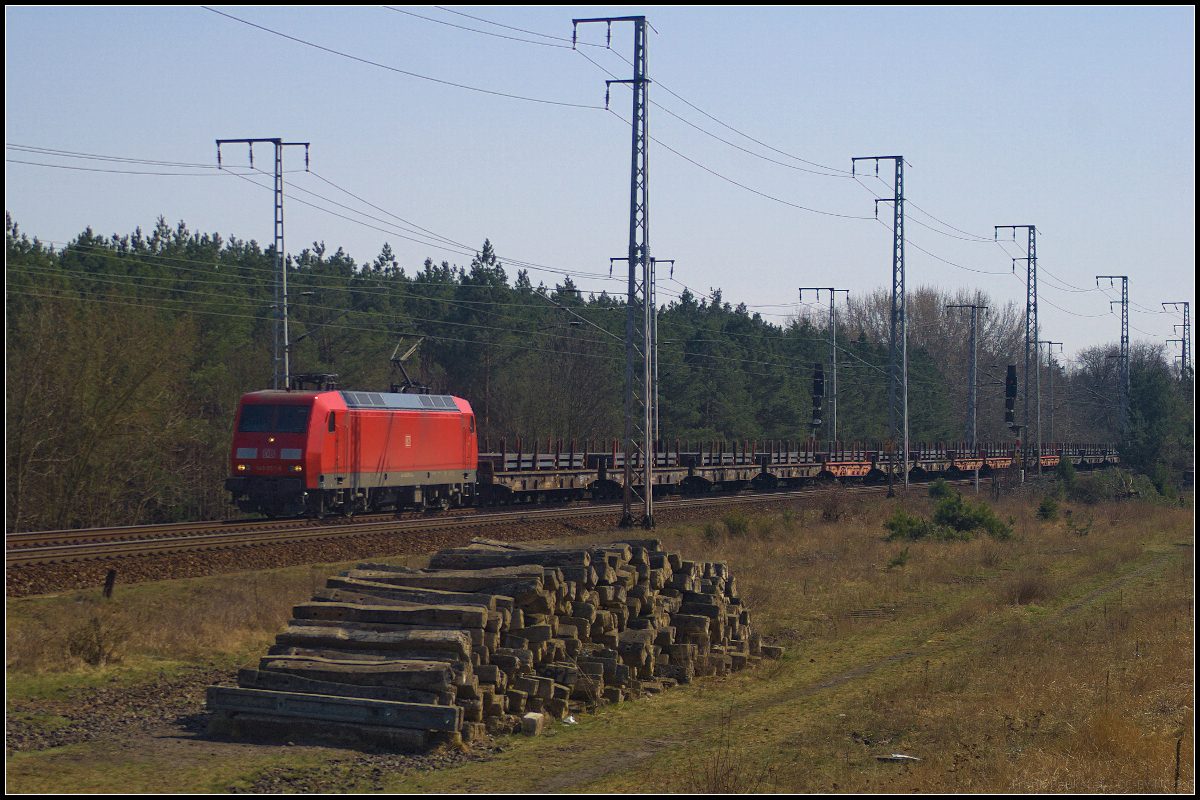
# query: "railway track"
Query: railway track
58,547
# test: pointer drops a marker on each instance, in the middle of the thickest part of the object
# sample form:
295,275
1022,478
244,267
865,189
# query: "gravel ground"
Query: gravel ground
151,716
87,714
359,772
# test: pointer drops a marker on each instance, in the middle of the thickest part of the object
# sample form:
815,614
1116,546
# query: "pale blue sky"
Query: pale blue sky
1078,120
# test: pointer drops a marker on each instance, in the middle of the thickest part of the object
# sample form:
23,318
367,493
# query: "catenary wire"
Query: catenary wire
401,71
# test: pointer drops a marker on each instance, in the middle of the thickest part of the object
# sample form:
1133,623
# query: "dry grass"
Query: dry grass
198,620
1037,695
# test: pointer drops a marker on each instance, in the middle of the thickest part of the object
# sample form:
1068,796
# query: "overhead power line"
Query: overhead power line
476,30
752,190
368,62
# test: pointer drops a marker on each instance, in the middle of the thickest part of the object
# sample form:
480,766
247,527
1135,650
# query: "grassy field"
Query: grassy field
1051,662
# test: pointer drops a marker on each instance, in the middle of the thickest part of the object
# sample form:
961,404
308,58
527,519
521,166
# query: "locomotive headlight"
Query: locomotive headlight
297,468
241,467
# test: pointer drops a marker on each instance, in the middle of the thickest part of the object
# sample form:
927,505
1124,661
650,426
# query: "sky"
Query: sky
435,128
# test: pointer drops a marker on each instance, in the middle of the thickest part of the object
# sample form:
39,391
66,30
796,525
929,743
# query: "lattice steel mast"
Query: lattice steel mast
898,345
638,297
1123,378
1185,344
282,362
1031,324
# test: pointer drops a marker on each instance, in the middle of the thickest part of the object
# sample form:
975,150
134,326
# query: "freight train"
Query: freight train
328,451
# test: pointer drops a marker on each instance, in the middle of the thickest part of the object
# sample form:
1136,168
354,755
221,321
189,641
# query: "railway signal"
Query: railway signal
833,390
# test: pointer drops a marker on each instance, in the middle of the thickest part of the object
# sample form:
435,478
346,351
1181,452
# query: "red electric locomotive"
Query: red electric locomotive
316,452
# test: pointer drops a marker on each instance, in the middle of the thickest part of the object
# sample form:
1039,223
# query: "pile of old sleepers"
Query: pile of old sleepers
494,637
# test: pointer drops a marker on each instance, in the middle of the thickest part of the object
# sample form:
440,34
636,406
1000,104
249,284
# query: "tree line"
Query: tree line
126,357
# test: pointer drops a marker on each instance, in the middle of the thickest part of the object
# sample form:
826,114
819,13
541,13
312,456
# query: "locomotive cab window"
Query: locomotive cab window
332,421
256,419
472,424
291,419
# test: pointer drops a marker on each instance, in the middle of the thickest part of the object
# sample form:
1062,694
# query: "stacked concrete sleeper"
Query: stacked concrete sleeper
491,638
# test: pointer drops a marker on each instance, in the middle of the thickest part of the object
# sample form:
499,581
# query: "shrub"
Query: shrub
953,519
832,501
1080,530
1161,478
1111,484
900,560
939,489
963,517
764,528
97,641
1048,509
1027,589
736,524
906,526
1066,473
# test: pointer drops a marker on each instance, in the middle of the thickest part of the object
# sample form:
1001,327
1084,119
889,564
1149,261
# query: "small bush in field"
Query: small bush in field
1048,509
964,517
939,489
905,526
1066,473
833,503
1027,589
900,560
736,524
1080,530
1160,476
98,641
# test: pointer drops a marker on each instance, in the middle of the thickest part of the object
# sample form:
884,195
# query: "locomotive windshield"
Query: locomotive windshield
291,419
256,419
280,419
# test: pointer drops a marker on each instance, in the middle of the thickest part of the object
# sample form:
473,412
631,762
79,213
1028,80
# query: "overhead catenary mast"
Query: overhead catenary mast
1031,325
281,359
1185,344
898,348
1123,378
638,297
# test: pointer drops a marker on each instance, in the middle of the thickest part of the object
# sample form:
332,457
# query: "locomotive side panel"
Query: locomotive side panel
392,450
405,448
